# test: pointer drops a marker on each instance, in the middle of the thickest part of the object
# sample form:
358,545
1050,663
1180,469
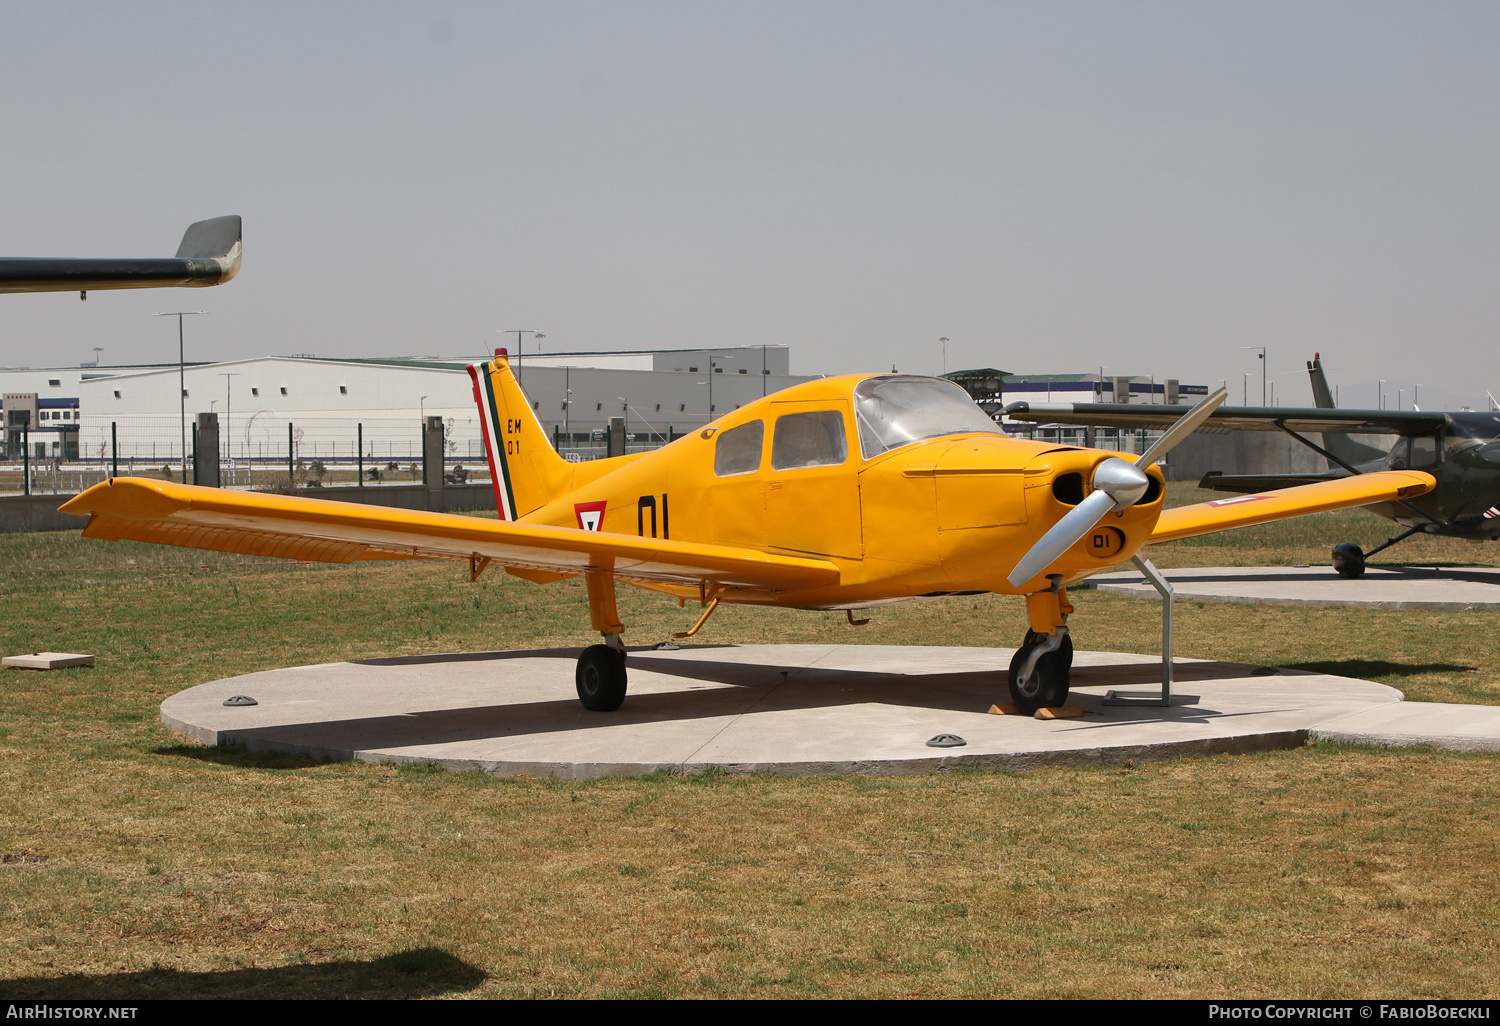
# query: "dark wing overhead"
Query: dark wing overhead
1232,418
209,255
1263,482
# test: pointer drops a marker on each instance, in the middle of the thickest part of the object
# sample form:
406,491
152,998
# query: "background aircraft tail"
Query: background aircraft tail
1341,445
209,255
526,470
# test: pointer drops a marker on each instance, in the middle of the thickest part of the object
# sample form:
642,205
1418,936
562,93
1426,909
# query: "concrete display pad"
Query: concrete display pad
1380,587
790,709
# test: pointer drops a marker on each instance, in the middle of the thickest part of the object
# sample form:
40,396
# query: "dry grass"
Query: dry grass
133,864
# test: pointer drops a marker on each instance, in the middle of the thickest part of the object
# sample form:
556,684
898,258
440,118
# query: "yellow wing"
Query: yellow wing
1245,510
340,532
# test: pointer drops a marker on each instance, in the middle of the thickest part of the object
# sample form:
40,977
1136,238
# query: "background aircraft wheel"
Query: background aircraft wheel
1349,560
1048,685
601,678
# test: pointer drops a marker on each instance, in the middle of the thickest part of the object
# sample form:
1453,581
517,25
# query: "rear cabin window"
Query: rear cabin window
738,450
814,439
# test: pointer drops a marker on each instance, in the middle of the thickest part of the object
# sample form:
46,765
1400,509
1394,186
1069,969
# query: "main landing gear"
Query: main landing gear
600,675
1349,559
601,678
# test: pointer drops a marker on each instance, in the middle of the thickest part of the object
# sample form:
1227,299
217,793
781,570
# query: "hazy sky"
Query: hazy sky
1053,186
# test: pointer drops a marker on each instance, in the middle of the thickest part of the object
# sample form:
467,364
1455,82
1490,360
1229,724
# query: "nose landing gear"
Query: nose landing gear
1045,686
1039,671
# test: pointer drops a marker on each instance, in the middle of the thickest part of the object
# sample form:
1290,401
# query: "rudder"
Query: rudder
526,470
1341,445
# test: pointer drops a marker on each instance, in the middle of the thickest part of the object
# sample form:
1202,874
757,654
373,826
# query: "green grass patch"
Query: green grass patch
134,864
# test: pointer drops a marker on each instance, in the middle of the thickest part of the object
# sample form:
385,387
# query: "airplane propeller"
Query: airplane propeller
1116,485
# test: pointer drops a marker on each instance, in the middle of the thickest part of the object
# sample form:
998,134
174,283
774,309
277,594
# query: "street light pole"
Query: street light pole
518,332
944,342
1261,351
182,382
228,438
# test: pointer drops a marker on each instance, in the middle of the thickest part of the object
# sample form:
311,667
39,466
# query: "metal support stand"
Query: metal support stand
1164,589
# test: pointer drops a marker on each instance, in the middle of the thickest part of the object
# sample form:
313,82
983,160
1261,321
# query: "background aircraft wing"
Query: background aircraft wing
1246,510
209,255
292,527
1231,418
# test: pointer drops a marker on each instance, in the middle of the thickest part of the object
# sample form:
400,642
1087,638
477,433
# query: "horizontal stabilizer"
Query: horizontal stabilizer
209,255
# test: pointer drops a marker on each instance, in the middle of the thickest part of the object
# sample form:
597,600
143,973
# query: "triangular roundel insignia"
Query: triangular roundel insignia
590,515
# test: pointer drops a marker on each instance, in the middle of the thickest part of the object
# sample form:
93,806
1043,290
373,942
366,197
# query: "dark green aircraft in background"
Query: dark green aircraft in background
1462,450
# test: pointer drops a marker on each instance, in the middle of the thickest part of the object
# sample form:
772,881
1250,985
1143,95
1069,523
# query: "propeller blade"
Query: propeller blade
1062,536
1117,484
1186,425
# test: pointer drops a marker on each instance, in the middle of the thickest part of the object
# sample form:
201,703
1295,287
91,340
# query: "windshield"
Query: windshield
893,410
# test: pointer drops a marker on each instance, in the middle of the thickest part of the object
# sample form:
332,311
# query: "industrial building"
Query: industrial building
347,410
336,409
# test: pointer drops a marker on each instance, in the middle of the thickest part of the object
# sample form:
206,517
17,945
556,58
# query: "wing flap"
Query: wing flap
318,529
1248,510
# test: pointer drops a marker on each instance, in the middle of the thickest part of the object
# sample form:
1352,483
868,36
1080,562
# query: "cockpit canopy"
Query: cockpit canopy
894,409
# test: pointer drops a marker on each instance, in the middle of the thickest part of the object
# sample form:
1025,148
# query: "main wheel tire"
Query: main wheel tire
1048,686
1349,560
601,678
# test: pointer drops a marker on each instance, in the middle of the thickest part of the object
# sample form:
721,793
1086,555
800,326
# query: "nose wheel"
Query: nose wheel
601,678
1047,686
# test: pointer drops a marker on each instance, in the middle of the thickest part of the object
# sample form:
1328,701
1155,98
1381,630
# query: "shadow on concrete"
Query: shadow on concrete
1321,575
422,972
742,687
469,657
1370,669
1443,573
241,758
480,657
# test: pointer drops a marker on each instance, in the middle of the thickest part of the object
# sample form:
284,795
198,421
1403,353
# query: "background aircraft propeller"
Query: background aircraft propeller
1116,485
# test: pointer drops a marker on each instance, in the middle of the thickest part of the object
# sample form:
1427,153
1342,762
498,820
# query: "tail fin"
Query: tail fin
1341,445
526,470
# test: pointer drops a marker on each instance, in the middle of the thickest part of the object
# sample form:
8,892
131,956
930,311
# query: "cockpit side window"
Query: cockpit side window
1413,453
738,450
813,439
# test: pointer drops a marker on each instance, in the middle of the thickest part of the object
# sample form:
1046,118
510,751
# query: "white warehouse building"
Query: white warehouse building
338,409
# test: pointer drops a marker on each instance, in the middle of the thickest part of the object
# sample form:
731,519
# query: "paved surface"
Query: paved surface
791,709
1459,728
1379,588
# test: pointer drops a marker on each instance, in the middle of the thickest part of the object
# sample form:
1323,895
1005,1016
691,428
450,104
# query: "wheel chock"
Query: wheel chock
1004,710
1062,712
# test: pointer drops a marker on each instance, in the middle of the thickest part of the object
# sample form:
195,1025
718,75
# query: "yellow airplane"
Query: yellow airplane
842,493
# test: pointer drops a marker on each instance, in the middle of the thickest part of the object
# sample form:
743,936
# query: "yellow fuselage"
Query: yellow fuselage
930,518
